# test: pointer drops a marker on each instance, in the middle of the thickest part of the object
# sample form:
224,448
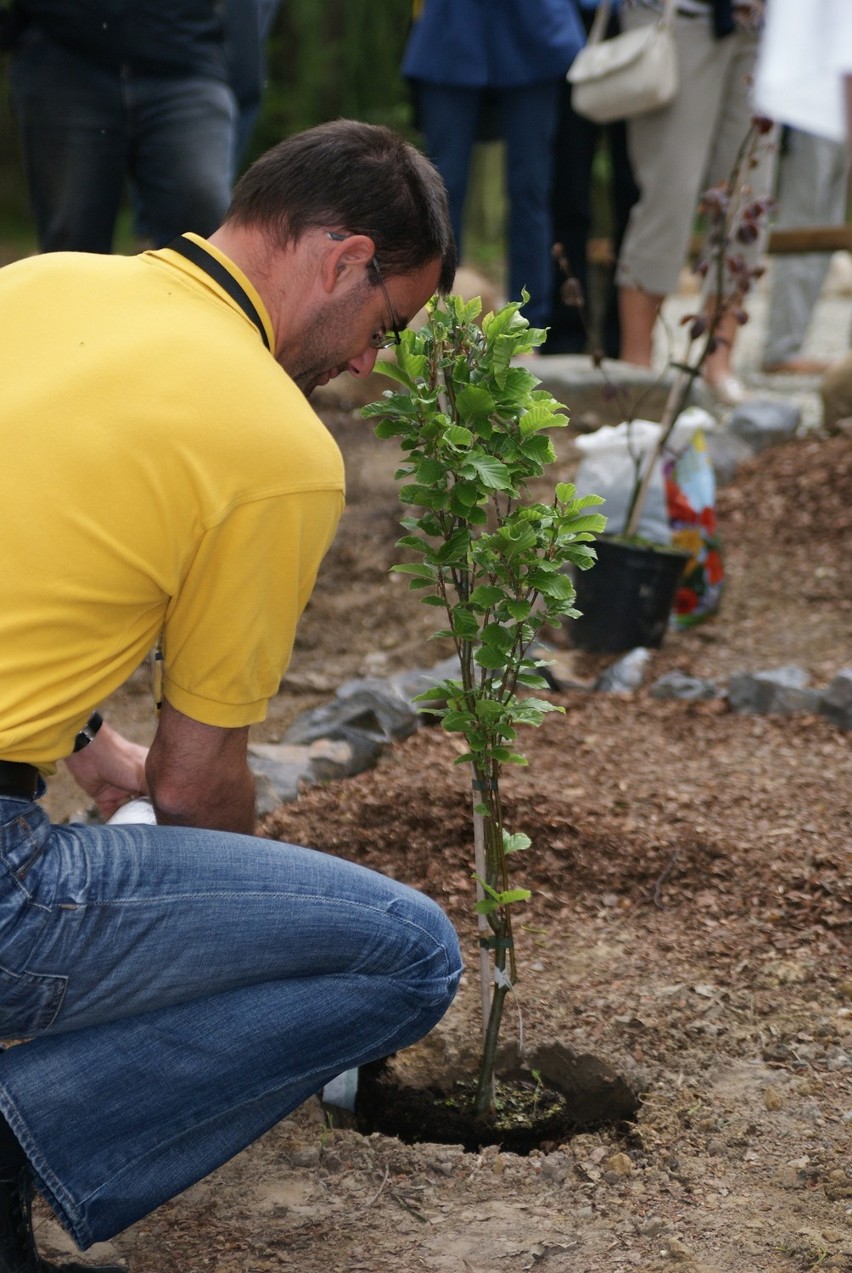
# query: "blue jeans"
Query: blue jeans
85,129
182,990
449,117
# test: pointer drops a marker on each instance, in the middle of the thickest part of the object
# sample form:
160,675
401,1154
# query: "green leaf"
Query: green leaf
495,900
500,638
485,596
464,622
454,549
594,523
458,722
474,402
558,586
515,843
488,709
491,472
428,471
385,367
518,609
458,436
486,656
539,449
413,366
539,417
423,496
467,494
416,568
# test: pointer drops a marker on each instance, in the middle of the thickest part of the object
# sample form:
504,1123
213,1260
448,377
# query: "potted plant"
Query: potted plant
474,431
626,601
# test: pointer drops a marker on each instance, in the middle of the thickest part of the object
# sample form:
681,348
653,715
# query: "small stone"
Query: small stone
688,688
618,1165
790,1177
652,1227
675,1250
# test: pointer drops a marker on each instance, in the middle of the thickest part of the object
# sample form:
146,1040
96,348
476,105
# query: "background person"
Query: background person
182,986
576,147
676,153
104,93
464,54
813,175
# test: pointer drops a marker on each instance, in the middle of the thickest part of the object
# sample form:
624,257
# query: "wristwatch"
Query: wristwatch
88,732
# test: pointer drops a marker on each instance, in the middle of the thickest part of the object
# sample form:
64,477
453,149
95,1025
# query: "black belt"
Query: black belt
18,781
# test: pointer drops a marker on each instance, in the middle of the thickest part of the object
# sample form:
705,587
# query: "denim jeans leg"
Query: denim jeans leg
181,153
69,116
529,126
448,117
187,989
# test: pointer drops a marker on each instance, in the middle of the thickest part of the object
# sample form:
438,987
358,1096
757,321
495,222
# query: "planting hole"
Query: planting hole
553,1096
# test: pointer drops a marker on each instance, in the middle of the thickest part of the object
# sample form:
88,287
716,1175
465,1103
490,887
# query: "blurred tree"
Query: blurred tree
338,58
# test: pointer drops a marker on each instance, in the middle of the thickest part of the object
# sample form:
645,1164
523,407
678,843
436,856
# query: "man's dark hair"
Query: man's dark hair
352,177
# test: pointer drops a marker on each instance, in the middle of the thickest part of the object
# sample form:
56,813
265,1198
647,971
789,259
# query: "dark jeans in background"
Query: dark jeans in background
449,117
577,141
84,129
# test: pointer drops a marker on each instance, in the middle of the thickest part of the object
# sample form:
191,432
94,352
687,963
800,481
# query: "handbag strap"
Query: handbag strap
207,262
601,19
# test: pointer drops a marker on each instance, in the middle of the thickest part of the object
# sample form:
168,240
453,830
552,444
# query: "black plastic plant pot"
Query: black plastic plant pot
626,598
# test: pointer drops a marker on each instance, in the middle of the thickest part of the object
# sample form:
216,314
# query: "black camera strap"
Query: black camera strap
210,265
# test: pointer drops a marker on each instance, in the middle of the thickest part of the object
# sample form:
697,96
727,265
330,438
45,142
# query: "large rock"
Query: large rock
280,772
836,702
368,706
761,423
781,690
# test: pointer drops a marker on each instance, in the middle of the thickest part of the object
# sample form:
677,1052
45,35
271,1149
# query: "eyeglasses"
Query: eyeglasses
379,339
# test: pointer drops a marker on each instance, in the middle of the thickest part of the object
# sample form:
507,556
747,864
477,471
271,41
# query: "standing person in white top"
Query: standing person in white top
812,189
804,78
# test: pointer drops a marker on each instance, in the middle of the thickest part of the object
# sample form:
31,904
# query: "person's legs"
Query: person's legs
812,180
736,59
624,194
669,152
529,123
70,119
448,117
182,142
638,311
184,990
574,150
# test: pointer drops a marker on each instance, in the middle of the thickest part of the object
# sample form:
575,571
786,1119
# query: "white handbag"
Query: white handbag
631,74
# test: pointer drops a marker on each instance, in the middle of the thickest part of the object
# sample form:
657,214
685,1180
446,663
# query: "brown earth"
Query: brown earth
690,926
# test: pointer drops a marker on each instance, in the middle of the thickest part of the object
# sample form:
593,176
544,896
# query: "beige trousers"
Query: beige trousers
689,145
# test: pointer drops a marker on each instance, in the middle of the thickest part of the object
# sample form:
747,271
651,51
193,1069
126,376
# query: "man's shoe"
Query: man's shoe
18,1252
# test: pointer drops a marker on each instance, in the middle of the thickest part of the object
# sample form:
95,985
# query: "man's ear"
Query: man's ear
345,257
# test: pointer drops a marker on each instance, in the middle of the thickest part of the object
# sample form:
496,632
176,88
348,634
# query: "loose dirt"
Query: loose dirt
690,926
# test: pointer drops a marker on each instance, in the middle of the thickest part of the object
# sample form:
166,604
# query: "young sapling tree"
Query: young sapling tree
474,430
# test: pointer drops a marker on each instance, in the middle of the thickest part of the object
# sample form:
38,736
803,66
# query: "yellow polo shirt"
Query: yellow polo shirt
160,472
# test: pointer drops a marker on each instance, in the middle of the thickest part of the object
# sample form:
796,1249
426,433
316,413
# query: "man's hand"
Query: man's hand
198,775
111,770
